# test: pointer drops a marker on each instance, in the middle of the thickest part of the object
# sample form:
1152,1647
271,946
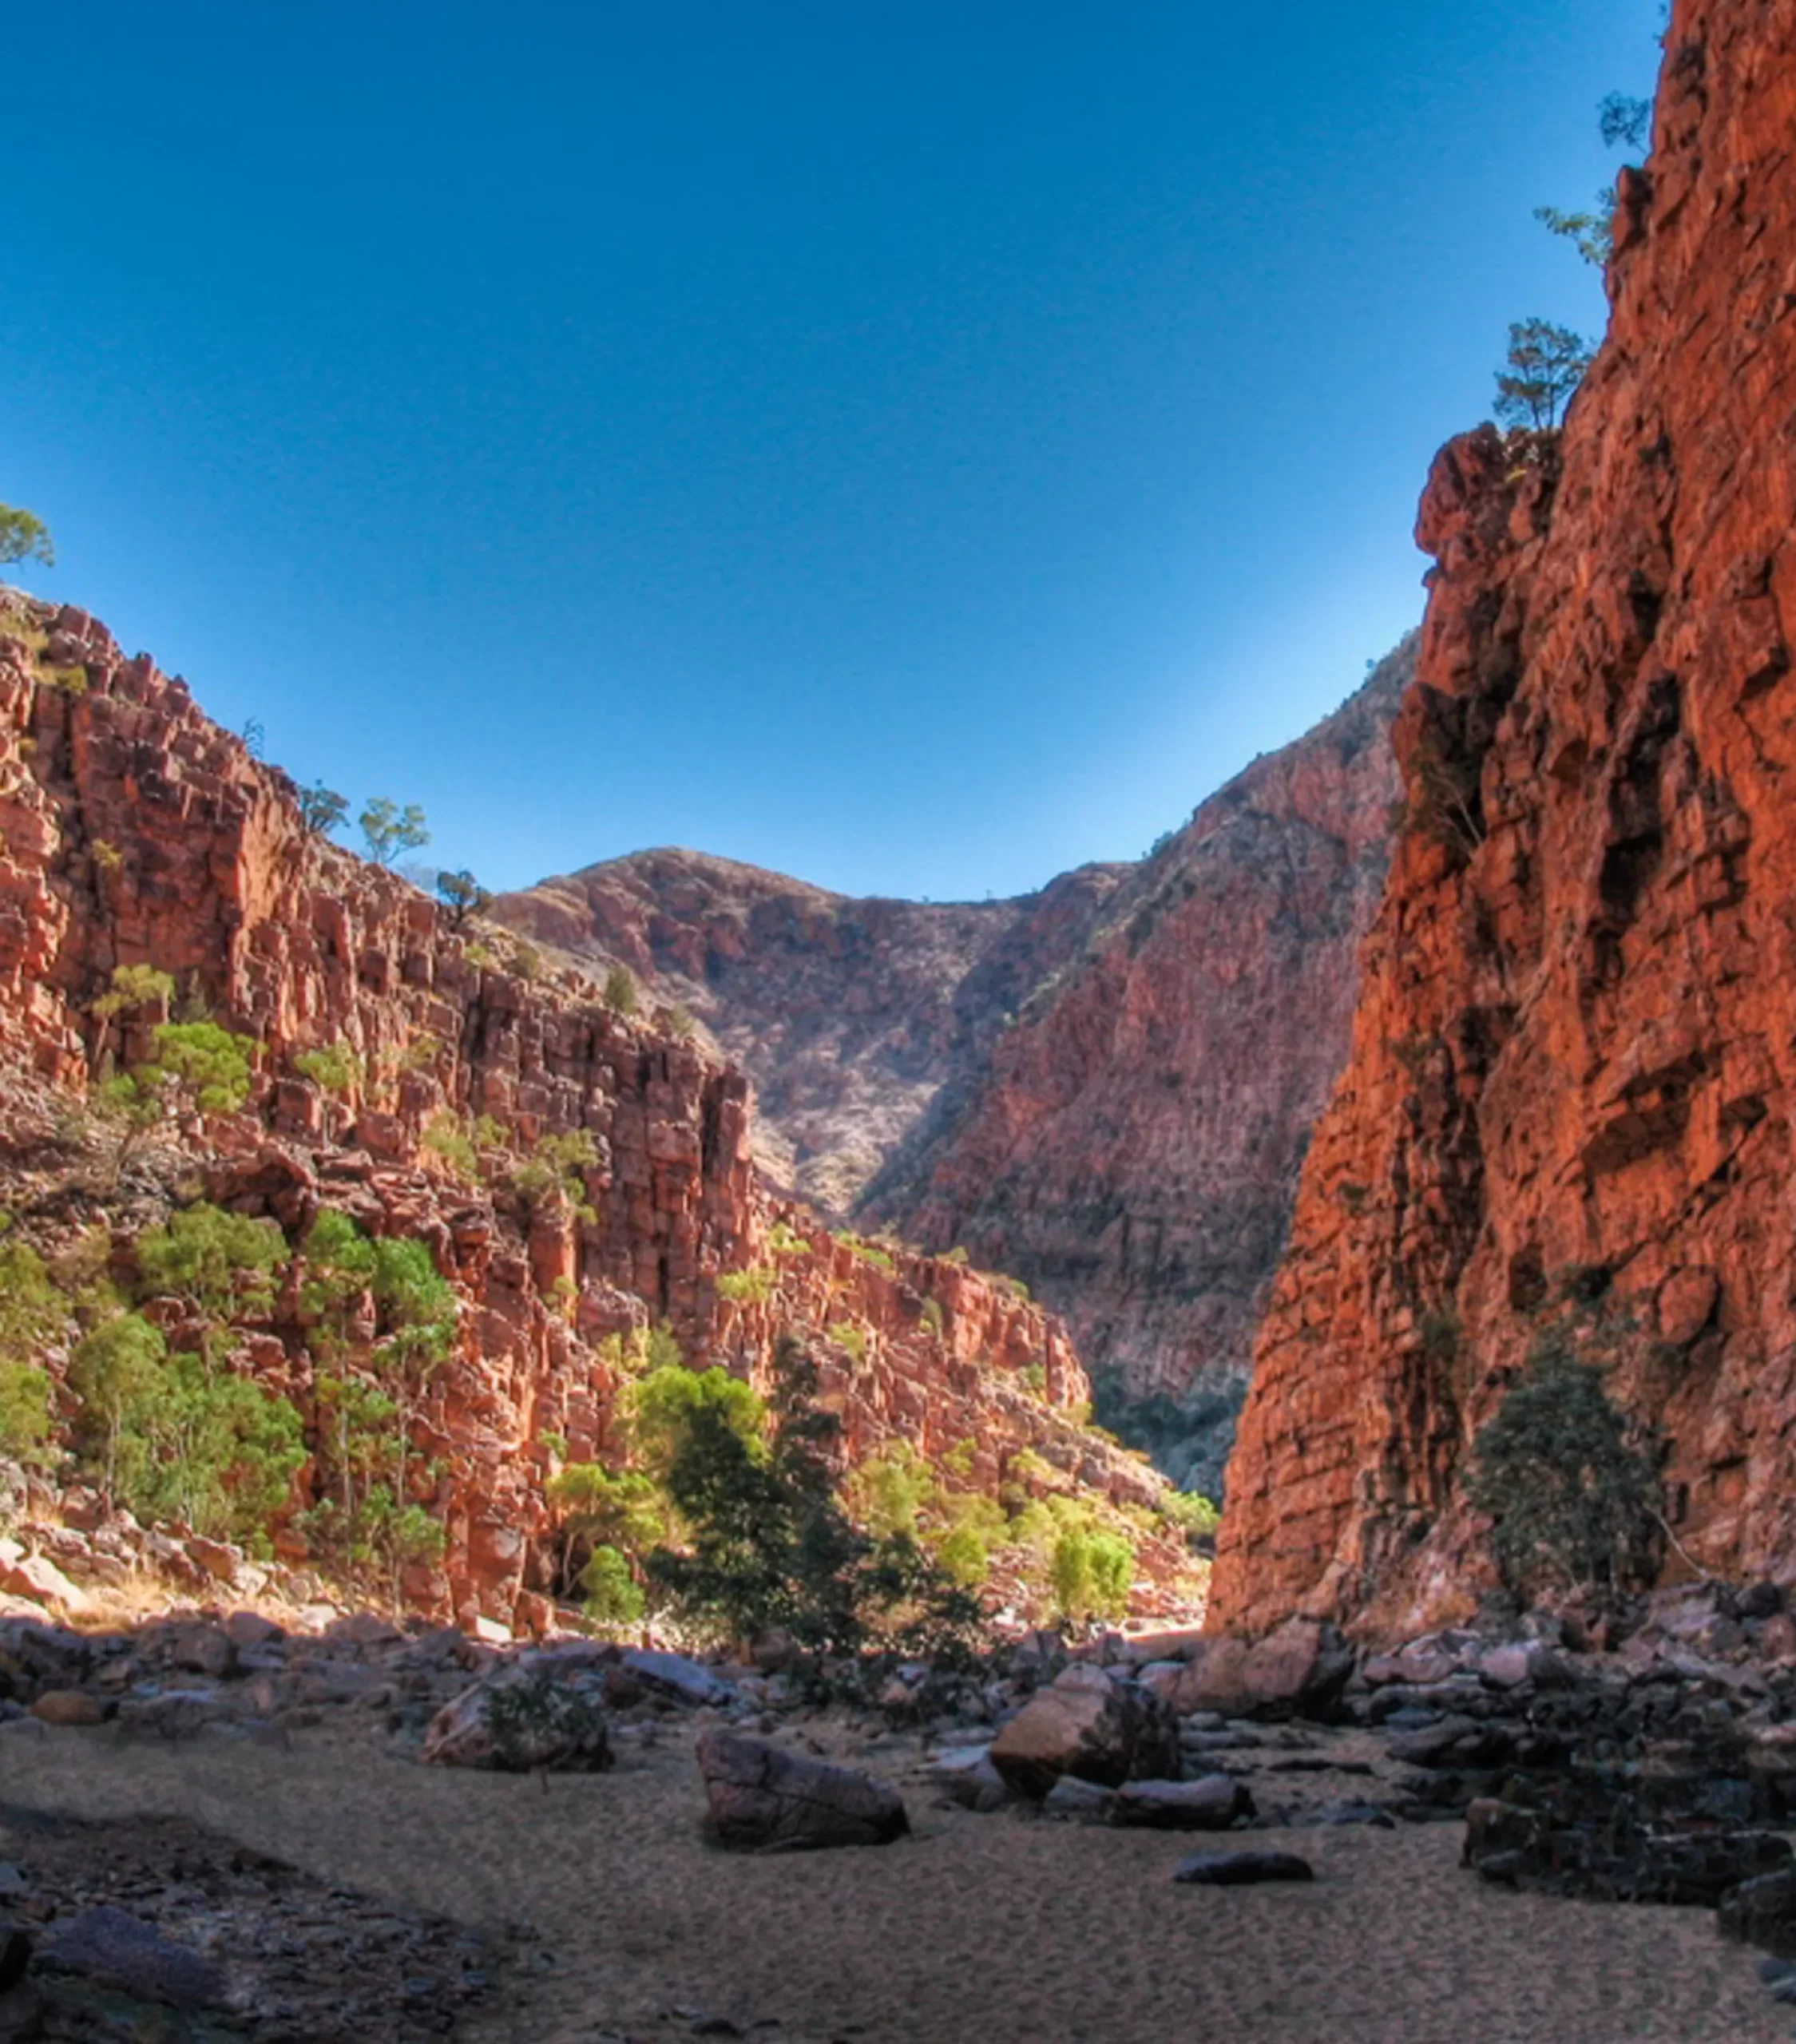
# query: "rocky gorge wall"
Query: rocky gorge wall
1570,1083
134,832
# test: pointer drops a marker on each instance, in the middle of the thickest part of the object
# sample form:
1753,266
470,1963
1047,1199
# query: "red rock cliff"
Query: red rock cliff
1573,1050
134,832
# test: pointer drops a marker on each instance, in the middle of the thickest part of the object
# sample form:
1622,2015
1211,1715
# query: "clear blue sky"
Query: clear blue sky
921,448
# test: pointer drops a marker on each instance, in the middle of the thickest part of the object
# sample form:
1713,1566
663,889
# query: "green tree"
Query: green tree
226,1264
1573,1500
1092,1571
322,809
614,1597
620,994
463,896
388,831
24,537
1546,363
113,1372
32,1313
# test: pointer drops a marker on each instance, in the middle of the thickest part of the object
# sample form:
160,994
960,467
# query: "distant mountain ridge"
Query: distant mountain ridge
1104,1088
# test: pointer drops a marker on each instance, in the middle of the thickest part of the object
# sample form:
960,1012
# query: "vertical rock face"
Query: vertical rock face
1104,1088
1573,1050
134,832
1132,1149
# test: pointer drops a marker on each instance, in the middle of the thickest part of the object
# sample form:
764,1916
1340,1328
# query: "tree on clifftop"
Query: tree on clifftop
1546,363
24,537
388,829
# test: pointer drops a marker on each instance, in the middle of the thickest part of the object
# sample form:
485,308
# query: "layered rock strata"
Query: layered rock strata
134,832
1569,1100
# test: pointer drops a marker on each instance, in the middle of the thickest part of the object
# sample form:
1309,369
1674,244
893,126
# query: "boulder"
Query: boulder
1211,1804
1099,1726
38,1578
113,1948
1073,1802
521,1719
1762,1912
68,1707
764,1800
675,1675
1216,1680
1242,1869
966,1776
1299,1669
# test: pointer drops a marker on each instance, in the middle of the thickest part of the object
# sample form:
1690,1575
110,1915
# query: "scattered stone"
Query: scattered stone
115,1949
1241,1869
675,1675
1101,1727
967,1776
68,1707
764,1800
1073,1802
1212,1804
520,1720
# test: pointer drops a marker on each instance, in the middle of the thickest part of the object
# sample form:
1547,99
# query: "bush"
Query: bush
555,1167
226,1264
1574,1502
753,1286
846,1336
1092,1572
337,1069
613,1595
24,537
620,994
322,809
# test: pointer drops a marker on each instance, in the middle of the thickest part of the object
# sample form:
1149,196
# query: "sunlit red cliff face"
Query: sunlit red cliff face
1574,1046
133,831
1104,1088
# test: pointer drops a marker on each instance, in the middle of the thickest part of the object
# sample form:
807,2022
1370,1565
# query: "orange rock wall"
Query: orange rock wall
134,831
1574,1045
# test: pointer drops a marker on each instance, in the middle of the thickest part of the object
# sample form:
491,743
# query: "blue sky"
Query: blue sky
919,448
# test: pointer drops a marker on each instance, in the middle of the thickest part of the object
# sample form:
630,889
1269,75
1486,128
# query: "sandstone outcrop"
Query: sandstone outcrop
1104,1089
1570,1088
135,832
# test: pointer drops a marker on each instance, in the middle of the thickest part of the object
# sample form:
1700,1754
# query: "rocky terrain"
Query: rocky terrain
564,1842
1571,1080
1104,1089
413,1078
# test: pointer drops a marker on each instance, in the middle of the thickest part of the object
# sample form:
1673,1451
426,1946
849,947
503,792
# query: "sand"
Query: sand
998,1928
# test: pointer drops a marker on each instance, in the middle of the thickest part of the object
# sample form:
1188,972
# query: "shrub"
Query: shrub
930,1318
866,1251
555,1168
1195,1516
226,1264
337,1069
1092,1572
753,1286
964,1558
1546,363
619,993
672,1404
446,1137
848,1335
322,809
785,1241
1574,1502
463,896
1034,1378
613,1596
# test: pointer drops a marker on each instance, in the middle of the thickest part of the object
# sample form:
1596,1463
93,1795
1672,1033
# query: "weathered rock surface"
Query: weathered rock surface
1571,1082
1104,1088
134,832
764,1800
1101,1727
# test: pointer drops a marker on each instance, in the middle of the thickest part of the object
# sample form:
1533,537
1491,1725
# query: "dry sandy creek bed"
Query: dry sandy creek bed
998,1927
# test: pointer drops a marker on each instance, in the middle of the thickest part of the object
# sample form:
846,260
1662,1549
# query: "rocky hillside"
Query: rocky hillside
1130,1148
1104,1088
1570,1088
578,1177
852,1017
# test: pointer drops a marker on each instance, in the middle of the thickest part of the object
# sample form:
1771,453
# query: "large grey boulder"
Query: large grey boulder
764,1800
1089,1722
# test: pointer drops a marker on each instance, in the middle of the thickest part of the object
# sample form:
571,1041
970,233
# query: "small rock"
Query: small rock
1212,1804
68,1707
1240,1869
1072,1801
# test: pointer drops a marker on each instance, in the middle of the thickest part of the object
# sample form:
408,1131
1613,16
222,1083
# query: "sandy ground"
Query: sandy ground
995,1928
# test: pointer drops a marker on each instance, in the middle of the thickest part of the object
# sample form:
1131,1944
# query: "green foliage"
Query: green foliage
619,1508
554,1169
1195,1516
1589,233
930,1319
678,1021
322,809
337,1069
785,1241
173,1438
754,1286
640,1352
613,1596
1546,363
848,1335
463,896
672,1405
1034,1377
24,537
769,1544
889,1490
620,994
1574,1502
964,1557
447,1138
957,1255
133,986
1092,1571
387,830
867,1252
1624,122
226,1264
34,1312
